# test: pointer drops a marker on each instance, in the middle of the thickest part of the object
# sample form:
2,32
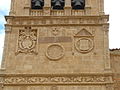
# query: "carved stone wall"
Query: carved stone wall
56,45
115,61
50,49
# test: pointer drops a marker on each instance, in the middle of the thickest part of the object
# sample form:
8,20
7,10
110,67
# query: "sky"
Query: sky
111,7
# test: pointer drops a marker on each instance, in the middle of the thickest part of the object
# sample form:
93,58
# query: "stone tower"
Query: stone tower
56,45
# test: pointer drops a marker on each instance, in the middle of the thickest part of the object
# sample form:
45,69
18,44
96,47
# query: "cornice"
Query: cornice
115,52
73,74
47,25
52,17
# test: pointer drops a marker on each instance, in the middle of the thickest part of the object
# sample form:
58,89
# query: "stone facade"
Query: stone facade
57,49
115,63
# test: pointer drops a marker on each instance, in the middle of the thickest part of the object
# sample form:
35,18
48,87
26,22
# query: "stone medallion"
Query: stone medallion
84,45
55,52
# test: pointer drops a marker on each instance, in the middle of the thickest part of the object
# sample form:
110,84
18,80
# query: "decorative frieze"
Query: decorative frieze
60,80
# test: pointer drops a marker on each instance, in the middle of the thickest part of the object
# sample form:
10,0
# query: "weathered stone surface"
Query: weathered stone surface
48,49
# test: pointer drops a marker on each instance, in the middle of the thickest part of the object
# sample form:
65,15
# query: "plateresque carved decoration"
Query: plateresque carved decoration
55,52
57,4
51,79
84,45
37,4
55,31
78,4
27,40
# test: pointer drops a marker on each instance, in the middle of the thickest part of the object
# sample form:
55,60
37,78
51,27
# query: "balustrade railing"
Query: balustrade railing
57,13
78,12
36,12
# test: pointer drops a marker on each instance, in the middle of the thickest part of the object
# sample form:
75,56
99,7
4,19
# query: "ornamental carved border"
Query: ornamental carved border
27,41
57,79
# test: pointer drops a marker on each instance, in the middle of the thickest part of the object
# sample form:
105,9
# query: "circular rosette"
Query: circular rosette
55,52
84,45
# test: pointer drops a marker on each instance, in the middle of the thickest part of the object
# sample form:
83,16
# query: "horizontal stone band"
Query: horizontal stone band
45,80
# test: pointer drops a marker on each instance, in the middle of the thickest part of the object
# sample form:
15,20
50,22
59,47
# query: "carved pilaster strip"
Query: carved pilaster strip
106,46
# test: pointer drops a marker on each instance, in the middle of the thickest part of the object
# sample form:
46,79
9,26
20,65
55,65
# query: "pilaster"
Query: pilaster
27,7
106,48
88,7
47,7
67,7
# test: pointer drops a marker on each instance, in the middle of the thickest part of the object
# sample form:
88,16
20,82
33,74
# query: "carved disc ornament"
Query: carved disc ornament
55,52
84,45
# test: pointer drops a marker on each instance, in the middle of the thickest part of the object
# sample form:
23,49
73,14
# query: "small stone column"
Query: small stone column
47,7
68,7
